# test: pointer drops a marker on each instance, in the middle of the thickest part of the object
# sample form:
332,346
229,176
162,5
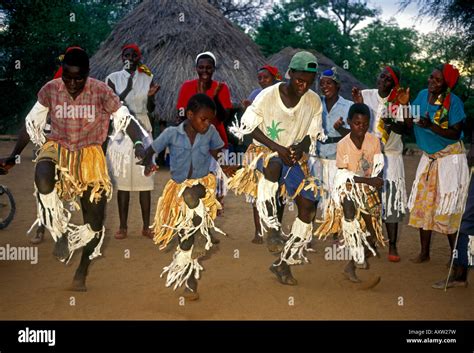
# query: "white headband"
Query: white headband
209,54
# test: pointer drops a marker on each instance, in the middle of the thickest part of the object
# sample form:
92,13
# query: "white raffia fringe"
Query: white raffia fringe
266,196
241,129
181,268
221,180
297,243
186,225
396,201
51,213
35,122
80,236
453,183
355,238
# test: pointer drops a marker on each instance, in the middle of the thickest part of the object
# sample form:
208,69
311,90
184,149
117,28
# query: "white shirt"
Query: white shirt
286,126
378,110
136,99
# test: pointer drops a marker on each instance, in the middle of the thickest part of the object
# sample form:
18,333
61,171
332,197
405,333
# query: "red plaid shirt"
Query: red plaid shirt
81,122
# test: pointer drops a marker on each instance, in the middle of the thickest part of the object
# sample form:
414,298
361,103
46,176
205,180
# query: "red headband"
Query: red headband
134,47
59,73
273,70
394,77
451,75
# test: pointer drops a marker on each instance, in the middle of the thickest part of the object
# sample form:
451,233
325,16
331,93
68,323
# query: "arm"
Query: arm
339,126
376,182
283,152
452,132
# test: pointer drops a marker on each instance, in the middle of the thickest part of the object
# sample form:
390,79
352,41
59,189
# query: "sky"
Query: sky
407,18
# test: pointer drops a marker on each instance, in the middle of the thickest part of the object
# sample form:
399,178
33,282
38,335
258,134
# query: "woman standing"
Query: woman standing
442,176
134,86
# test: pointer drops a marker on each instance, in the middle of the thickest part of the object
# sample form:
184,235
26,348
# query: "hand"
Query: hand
296,153
201,87
154,88
403,96
285,155
376,182
218,89
246,103
229,170
6,164
357,95
339,123
139,151
425,123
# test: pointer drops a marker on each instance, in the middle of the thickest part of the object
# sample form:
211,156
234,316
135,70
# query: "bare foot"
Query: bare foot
199,247
283,273
257,239
275,241
369,284
349,272
214,240
39,236
79,284
420,258
61,249
191,293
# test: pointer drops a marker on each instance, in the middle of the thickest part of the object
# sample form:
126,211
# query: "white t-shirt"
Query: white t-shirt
286,126
377,111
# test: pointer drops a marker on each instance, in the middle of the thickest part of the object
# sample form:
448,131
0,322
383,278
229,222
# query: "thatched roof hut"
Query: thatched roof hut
283,57
170,34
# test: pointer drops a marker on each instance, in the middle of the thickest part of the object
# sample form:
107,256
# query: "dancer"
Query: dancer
385,103
355,209
284,120
188,205
71,163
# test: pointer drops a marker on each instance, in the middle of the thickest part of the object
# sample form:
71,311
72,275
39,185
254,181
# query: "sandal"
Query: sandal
121,234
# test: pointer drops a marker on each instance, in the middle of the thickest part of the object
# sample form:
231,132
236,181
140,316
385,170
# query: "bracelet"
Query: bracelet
137,143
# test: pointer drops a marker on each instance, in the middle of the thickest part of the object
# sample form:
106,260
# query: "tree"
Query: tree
351,13
35,34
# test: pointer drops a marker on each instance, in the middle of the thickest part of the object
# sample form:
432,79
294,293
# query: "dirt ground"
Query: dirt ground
236,283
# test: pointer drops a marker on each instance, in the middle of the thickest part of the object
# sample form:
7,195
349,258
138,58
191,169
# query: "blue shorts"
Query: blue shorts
291,177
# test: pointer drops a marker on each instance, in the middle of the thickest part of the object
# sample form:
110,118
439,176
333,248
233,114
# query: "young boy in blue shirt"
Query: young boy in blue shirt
188,205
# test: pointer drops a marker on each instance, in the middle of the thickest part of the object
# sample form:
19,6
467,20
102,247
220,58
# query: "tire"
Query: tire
11,205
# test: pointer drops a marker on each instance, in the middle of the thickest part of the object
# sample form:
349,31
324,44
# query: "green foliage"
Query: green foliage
35,33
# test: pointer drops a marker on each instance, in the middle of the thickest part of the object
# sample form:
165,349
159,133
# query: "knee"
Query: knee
186,244
307,210
349,210
272,171
44,177
191,198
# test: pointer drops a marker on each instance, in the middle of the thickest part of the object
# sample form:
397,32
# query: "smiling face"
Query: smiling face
205,69
74,78
359,124
436,83
130,59
201,119
329,87
301,81
385,83
265,78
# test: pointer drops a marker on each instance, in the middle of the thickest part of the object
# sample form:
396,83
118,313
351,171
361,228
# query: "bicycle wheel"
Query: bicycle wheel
7,207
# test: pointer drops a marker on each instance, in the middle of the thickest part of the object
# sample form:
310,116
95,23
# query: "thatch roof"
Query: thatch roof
283,57
170,34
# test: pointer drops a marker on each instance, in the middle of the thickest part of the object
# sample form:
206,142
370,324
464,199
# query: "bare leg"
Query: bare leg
123,199
93,214
425,240
392,232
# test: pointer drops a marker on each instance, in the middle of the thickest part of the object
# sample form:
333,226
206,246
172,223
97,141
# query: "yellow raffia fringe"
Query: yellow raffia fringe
332,220
80,170
171,207
245,181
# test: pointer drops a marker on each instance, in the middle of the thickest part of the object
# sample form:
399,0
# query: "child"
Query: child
188,205
355,208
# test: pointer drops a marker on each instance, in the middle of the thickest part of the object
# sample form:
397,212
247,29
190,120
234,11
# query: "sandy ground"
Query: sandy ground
236,283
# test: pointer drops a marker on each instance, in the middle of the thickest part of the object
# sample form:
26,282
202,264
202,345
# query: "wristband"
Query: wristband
137,143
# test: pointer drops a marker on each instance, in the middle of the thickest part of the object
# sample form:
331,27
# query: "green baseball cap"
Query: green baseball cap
304,61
